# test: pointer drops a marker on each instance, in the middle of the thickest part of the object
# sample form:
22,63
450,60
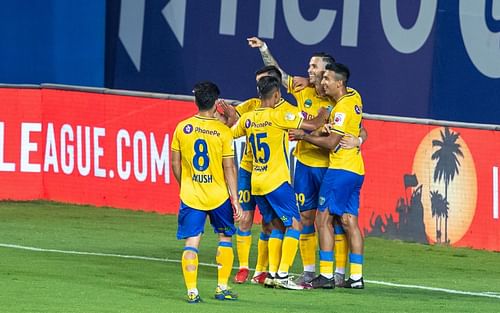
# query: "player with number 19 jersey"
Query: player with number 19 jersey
203,184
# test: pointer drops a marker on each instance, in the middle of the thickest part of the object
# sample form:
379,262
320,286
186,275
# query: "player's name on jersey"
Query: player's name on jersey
260,168
203,178
207,131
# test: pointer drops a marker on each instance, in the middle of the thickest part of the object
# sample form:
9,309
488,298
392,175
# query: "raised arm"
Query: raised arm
267,57
232,185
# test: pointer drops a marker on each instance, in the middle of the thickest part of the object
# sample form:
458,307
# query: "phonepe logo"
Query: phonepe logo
480,25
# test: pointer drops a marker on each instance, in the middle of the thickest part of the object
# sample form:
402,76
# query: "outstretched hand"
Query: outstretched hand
228,111
255,42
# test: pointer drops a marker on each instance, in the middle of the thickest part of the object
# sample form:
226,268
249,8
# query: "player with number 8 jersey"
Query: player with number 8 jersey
203,165
198,137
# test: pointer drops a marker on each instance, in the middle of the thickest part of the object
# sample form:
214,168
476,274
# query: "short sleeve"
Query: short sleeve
175,140
227,144
287,119
338,119
247,106
239,130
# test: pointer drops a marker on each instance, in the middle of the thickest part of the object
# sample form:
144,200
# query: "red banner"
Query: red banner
89,148
423,183
431,184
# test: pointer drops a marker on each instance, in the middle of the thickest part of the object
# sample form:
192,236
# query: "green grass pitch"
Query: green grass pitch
60,281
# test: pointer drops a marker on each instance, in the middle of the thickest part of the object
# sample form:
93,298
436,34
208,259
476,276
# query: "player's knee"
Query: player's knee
349,222
267,228
246,221
308,217
278,224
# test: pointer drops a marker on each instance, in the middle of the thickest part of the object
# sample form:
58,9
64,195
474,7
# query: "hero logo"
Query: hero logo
476,19
481,40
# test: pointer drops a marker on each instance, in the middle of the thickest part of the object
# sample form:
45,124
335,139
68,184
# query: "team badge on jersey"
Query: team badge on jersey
339,118
357,109
322,200
188,129
290,116
308,103
248,123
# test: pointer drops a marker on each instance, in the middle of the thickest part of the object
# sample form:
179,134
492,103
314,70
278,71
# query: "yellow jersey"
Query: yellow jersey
346,119
309,102
267,131
203,143
249,106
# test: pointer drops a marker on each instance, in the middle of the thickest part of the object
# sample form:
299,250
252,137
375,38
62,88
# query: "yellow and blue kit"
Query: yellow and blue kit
203,143
343,180
266,130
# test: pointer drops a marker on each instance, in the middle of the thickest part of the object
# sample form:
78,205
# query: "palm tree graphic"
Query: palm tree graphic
439,208
446,168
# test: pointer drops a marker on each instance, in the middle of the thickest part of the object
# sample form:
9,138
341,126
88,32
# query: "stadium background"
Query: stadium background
435,60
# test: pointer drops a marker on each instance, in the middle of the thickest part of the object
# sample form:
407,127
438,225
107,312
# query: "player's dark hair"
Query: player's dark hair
325,57
341,71
271,70
267,85
205,94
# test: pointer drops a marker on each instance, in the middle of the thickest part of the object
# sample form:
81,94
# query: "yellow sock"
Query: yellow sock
275,242
190,267
224,259
341,250
326,263
356,268
262,253
243,244
308,245
290,245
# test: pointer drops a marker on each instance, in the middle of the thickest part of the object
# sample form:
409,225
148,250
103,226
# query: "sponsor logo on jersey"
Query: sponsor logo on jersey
188,129
290,116
339,119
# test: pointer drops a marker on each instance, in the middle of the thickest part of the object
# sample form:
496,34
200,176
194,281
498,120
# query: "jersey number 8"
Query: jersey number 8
201,154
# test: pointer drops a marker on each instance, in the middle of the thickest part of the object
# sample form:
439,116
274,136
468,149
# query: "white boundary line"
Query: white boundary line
136,257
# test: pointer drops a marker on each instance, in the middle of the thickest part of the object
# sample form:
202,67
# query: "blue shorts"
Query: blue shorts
245,197
279,203
191,222
339,192
307,182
